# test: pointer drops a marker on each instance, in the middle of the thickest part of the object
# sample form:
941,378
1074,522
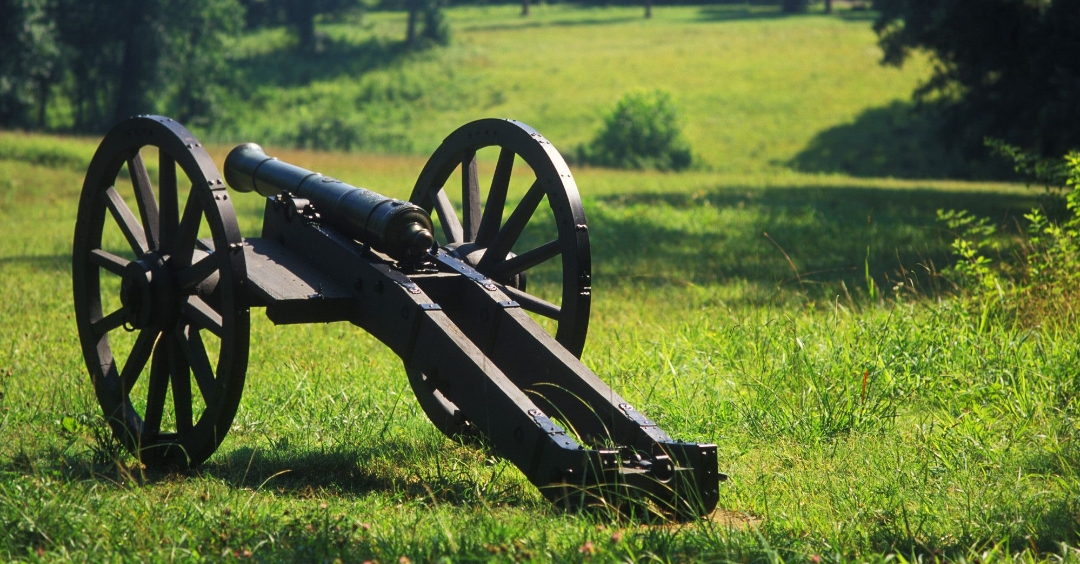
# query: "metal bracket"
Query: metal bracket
636,416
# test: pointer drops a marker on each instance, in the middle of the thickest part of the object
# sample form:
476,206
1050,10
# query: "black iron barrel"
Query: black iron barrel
399,229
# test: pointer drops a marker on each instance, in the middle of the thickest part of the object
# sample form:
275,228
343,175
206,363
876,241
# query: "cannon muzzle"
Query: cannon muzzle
399,229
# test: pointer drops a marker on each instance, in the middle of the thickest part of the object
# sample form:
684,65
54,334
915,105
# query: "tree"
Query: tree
29,57
434,30
145,56
299,15
143,38
112,58
91,61
412,8
1006,69
794,6
195,52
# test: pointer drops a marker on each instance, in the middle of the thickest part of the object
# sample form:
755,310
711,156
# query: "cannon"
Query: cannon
164,284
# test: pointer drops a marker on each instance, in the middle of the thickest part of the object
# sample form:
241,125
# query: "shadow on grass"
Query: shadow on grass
762,11
1043,532
439,472
857,15
898,141
435,471
722,13
39,263
820,239
527,24
292,67
800,238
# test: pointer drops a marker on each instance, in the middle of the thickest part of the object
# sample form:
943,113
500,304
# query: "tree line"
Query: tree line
1006,69
113,58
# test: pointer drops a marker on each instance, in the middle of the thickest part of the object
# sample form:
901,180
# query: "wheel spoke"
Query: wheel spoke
533,303
133,232
470,196
108,323
136,361
506,237
200,313
181,384
169,203
144,195
109,261
192,345
188,232
192,275
156,388
525,261
496,200
450,224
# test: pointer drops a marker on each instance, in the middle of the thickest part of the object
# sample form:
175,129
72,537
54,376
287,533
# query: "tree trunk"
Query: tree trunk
43,100
301,16
648,9
137,67
410,24
828,6
306,31
524,7
794,6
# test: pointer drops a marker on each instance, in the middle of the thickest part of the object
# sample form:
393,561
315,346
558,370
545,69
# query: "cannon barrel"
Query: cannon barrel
399,229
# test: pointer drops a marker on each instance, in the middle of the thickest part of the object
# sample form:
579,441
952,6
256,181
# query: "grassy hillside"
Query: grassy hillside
732,305
755,88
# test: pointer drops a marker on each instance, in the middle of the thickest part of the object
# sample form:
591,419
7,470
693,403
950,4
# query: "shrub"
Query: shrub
1041,285
643,131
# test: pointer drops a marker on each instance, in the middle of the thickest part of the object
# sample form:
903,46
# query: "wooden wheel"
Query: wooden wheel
508,248
539,251
158,299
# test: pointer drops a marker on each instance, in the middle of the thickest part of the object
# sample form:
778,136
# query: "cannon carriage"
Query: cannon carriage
163,316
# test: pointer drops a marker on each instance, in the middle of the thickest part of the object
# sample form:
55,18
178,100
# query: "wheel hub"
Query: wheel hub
146,292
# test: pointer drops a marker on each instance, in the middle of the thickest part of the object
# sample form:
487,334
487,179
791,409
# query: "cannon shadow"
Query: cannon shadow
411,470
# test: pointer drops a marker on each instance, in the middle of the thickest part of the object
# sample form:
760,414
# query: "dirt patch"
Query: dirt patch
734,519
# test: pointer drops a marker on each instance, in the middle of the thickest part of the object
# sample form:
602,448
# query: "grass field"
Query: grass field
755,89
859,419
